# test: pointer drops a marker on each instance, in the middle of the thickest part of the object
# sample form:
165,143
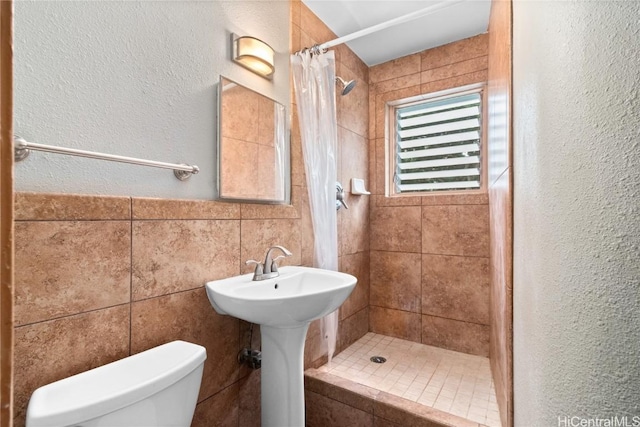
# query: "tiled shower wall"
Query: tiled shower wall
501,206
429,255
99,278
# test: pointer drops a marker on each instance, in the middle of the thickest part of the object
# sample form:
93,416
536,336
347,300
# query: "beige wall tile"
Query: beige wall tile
453,70
396,229
499,90
398,94
354,157
370,180
501,236
395,323
380,180
249,400
396,280
397,83
337,388
498,136
295,11
380,116
352,328
382,201
260,234
59,207
306,230
298,174
294,41
189,316
353,108
381,422
259,211
407,413
456,230
455,335
68,267
456,287
322,411
358,266
315,349
149,208
393,69
456,199
264,211
353,225
451,53
220,410
172,256
313,26
452,82
50,351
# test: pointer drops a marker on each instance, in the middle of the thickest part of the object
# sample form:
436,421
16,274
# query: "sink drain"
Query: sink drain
378,359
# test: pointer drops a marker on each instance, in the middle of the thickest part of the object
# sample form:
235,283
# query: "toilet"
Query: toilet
158,387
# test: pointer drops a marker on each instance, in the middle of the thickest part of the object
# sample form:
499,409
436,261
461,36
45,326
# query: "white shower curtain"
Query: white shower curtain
315,89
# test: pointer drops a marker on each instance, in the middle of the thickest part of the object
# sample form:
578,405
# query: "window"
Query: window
435,143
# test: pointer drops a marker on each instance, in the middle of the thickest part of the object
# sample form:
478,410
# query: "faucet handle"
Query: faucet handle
259,267
274,266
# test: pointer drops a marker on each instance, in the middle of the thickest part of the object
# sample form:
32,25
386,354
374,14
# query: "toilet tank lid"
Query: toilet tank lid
113,386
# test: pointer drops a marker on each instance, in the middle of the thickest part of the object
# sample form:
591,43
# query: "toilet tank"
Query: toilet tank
158,387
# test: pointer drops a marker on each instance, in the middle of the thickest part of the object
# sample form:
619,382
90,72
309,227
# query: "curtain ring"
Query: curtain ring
316,50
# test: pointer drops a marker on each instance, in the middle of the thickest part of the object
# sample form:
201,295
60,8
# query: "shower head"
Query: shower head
346,86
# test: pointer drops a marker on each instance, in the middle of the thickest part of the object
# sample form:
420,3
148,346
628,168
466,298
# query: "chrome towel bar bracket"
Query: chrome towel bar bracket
22,148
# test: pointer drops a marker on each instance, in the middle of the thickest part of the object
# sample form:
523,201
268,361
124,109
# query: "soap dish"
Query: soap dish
357,187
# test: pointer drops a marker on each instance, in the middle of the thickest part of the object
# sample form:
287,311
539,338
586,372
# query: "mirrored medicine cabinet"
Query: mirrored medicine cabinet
253,146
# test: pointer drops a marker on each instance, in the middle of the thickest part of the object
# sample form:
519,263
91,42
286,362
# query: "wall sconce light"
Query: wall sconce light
254,54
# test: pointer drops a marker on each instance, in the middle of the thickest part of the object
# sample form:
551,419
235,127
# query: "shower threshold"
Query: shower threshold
416,385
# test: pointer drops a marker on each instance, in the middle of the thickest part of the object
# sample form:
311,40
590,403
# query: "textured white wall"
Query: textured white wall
577,210
135,79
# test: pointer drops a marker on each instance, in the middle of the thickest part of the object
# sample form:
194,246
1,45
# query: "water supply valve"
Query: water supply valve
251,358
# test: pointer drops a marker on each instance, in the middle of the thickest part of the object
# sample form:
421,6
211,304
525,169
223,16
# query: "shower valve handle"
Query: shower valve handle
340,197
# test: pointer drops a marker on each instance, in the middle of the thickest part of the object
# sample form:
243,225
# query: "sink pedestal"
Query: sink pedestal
282,381
283,306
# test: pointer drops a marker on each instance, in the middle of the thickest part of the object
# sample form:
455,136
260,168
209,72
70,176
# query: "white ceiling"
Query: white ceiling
446,25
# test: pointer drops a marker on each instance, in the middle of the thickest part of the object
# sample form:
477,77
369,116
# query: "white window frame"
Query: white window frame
390,139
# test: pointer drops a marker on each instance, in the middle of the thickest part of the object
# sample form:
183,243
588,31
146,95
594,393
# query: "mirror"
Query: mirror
253,147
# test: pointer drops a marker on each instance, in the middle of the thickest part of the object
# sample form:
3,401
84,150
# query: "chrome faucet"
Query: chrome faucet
268,269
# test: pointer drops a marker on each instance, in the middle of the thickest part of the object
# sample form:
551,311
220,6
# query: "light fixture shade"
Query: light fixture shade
255,55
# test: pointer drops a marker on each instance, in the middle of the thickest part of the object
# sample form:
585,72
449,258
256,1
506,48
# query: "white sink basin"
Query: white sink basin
296,297
283,307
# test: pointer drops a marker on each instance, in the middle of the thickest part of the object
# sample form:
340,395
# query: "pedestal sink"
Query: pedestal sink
283,307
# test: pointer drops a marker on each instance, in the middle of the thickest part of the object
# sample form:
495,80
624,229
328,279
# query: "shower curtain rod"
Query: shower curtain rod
390,23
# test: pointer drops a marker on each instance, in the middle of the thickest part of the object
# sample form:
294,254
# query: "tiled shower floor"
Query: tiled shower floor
453,382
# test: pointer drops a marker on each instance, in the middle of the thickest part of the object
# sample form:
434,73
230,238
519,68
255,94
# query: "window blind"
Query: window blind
438,145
